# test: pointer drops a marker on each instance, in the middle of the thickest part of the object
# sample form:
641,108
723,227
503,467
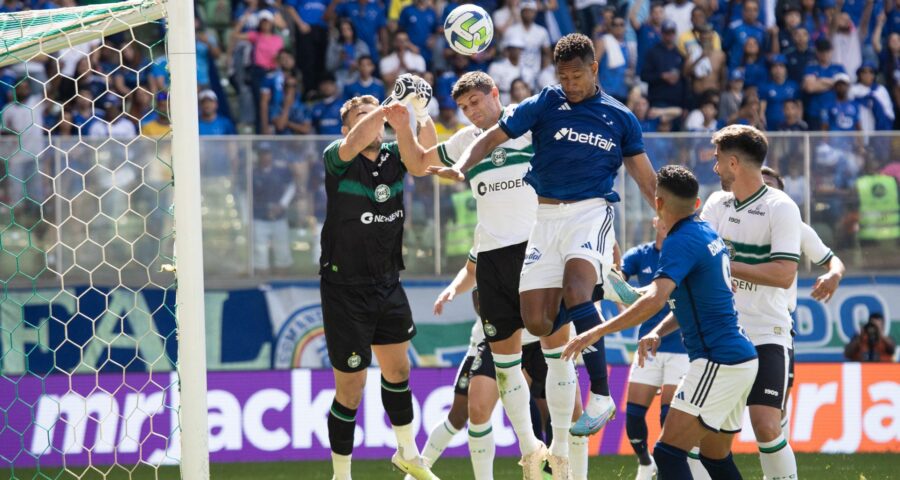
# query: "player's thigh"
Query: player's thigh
543,265
579,278
497,277
644,381
349,387
539,309
716,446
715,394
666,394
771,383
393,360
589,234
641,394
347,317
682,430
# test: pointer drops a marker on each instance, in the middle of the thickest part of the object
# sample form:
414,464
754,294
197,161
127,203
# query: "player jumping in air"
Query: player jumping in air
581,137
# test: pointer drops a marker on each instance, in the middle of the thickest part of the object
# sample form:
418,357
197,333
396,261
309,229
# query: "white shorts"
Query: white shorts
716,394
568,230
663,369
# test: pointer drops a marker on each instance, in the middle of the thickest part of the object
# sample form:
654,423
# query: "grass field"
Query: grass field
812,466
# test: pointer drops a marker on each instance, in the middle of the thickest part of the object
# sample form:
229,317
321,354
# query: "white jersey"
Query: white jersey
815,250
506,205
763,228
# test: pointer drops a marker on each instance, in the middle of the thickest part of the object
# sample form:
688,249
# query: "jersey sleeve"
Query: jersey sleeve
522,118
633,140
710,212
813,247
630,262
451,151
785,224
675,260
333,163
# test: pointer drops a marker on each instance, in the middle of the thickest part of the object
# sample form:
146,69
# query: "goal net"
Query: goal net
89,383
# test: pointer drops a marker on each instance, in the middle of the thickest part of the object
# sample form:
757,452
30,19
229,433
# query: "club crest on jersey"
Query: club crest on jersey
731,250
498,157
382,193
354,361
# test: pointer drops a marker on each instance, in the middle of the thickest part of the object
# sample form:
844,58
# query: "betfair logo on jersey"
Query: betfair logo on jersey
369,217
592,139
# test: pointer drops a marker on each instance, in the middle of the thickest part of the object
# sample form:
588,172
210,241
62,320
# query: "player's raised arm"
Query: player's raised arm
486,143
650,303
362,134
414,155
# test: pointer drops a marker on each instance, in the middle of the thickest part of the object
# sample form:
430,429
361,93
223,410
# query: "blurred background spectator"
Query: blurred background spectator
871,344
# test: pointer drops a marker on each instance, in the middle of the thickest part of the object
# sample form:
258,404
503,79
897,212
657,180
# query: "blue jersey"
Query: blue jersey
419,25
737,37
642,261
647,37
696,259
821,101
842,116
217,126
374,87
578,147
775,95
326,117
367,20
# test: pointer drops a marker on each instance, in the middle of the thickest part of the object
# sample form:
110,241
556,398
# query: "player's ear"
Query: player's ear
495,92
697,203
345,130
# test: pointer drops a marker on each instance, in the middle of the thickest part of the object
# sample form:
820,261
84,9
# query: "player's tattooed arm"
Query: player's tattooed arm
641,170
362,134
645,307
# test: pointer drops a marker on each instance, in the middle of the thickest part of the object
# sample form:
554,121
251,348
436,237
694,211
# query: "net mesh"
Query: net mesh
87,313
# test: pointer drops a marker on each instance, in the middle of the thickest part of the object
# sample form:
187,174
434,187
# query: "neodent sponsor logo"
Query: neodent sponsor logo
485,188
369,217
588,138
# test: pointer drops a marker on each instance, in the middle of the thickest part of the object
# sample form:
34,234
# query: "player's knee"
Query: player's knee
396,373
350,396
576,292
478,413
538,327
458,417
766,429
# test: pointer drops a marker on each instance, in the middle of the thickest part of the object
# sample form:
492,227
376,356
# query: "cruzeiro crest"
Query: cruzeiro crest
382,193
498,157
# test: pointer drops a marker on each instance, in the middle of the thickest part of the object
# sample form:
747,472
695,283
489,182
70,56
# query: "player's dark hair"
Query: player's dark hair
572,46
771,172
354,103
476,80
748,141
678,181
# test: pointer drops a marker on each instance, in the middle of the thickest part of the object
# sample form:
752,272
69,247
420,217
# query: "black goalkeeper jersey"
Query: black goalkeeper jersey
362,239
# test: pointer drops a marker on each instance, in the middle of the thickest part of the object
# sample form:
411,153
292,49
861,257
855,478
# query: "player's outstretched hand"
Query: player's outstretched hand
447,295
404,87
825,286
449,173
396,115
579,343
647,346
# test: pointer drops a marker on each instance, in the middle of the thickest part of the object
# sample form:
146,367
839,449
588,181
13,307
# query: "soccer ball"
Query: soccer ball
469,29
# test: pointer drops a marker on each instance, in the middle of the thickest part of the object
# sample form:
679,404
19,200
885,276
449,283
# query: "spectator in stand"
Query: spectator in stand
112,124
648,33
650,118
448,120
679,12
589,15
265,45
793,117
818,84
663,71
344,52
273,192
872,343
78,115
690,43
615,64
814,20
847,40
326,113
420,22
730,100
161,125
208,51
777,91
705,63
791,20
547,76
299,119
366,84
403,59
312,39
210,122
706,118
876,109
749,113
509,68
505,17
459,64
890,66
534,37
277,95
369,21
754,65
519,91
842,114
799,55
747,27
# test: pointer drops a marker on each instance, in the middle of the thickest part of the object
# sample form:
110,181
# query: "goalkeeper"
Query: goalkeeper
364,307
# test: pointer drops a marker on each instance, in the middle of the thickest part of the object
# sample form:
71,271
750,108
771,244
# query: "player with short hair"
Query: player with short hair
506,208
364,307
694,278
581,136
660,373
762,228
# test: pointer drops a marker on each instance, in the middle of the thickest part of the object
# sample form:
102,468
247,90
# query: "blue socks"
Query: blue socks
636,428
723,469
671,462
663,411
585,317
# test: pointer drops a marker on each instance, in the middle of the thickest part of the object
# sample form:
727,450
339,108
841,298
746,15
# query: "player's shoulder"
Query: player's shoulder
552,94
719,199
778,199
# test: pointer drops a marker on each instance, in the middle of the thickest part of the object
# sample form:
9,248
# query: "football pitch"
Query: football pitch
817,466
